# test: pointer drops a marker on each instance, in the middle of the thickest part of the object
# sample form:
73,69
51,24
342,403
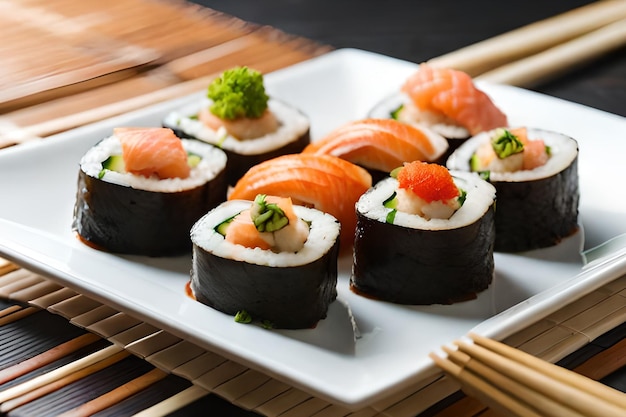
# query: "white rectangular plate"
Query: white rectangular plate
333,361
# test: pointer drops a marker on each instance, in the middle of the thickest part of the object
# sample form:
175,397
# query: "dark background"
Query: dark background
422,29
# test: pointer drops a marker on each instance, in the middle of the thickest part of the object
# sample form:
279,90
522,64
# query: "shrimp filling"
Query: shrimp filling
410,203
510,151
269,224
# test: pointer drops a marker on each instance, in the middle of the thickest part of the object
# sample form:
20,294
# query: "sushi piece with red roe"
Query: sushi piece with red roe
425,236
141,189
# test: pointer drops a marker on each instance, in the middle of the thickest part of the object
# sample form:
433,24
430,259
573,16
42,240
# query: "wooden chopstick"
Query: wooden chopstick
555,372
482,390
76,367
560,59
38,387
14,315
508,379
174,403
47,357
511,46
116,395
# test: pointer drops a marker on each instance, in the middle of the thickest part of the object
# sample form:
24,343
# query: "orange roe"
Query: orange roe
430,182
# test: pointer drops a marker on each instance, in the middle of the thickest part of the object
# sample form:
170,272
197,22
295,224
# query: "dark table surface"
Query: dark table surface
422,29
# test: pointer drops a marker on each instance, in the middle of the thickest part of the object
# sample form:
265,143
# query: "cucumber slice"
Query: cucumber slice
223,226
193,159
114,163
391,202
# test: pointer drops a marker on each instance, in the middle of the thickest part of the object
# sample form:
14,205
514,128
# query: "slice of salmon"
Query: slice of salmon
327,183
153,151
453,94
382,144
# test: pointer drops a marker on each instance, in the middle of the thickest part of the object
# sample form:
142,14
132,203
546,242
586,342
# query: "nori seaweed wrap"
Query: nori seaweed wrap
290,290
537,207
408,259
121,212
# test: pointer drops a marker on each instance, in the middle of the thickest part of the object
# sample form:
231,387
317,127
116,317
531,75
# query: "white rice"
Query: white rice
293,124
563,151
480,196
213,162
324,231
422,119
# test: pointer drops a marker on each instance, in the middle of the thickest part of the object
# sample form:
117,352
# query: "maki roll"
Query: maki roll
240,118
535,173
380,145
425,237
141,189
266,260
446,101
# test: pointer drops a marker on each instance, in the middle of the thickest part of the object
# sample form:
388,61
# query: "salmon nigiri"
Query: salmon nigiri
327,183
153,151
452,95
380,144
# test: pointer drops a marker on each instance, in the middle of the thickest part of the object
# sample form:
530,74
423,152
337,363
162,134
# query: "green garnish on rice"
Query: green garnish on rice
238,92
506,143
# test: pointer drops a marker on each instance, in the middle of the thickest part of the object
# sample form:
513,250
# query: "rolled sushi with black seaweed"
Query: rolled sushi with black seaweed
535,173
425,236
266,261
240,118
141,189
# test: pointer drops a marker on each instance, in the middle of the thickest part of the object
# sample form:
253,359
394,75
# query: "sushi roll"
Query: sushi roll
267,260
535,173
380,145
425,237
141,189
240,118
446,101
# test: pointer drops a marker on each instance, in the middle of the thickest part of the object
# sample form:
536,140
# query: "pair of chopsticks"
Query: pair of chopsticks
546,49
515,383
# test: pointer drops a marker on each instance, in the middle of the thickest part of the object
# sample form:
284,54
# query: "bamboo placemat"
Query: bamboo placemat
45,53
101,55
562,333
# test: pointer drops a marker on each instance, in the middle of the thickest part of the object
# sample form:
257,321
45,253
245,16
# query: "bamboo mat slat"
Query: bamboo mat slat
562,333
